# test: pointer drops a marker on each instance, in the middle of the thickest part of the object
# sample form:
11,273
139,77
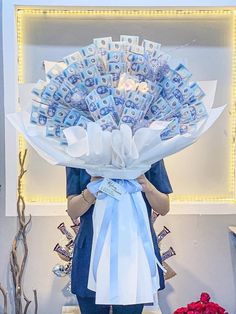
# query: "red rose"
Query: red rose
195,306
181,310
210,310
205,298
202,307
215,307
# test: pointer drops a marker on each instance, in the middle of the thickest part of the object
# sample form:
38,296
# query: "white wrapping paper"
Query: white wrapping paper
115,154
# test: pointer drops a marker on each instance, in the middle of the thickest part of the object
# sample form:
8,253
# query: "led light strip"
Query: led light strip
20,41
233,114
121,13
203,198
36,199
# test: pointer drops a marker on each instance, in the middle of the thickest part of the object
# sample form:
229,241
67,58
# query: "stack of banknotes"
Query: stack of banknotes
117,82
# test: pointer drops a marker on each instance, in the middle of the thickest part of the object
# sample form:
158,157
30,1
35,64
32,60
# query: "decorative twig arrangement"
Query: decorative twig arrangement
4,293
17,267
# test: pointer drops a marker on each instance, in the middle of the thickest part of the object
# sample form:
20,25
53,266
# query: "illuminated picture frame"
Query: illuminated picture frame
224,201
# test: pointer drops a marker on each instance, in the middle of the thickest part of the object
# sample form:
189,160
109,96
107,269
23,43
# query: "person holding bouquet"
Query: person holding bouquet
116,109
155,189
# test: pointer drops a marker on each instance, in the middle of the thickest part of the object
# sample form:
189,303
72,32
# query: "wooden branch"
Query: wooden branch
18,268
27,303
35,302
4,293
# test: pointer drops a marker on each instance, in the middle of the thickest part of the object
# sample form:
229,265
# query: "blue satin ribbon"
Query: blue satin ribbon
110,218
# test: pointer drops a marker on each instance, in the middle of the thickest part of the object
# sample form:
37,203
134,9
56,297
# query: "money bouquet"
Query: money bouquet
114,108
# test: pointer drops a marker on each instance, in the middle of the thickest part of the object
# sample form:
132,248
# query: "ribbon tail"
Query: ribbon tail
102,235
114,253
110,217
143,231
161,266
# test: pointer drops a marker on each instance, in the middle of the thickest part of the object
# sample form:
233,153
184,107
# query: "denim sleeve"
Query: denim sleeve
159,177
72,181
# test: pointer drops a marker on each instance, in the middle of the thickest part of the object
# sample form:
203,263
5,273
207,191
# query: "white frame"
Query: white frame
10,89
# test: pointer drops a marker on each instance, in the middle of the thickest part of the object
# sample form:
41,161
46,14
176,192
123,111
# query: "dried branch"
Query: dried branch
17,268
4,293
27,303
35,302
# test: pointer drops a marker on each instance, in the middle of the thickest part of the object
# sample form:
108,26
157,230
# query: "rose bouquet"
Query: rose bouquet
114,108
203,306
